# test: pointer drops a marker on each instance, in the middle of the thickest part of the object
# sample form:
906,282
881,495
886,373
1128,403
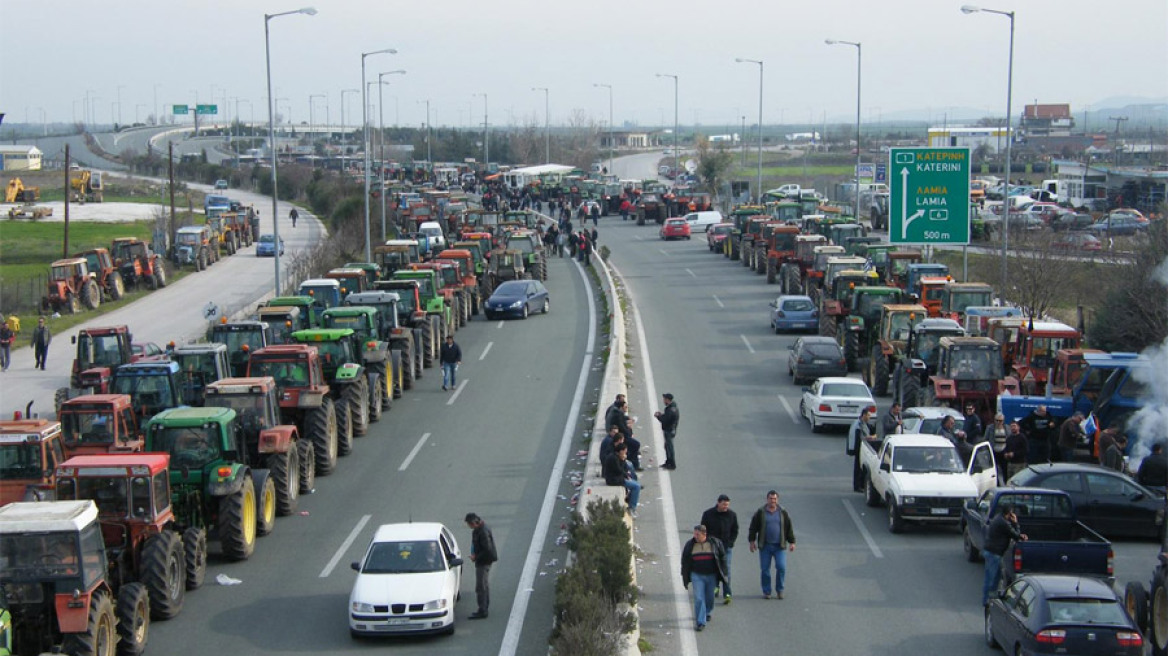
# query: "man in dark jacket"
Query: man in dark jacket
972,424
722,523
483,554
859,433
41,337
1154,469
610,442
891,423
1040,434
703,563
1003,530
617,415
617,471
772,536
1070,434
1016,450
450,357
669,418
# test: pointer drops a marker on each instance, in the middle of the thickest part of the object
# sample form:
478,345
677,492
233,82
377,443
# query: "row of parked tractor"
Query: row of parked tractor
106,512
919,336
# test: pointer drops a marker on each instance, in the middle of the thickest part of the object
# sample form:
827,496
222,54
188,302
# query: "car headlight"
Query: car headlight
437,604
360,607
517,304
910,500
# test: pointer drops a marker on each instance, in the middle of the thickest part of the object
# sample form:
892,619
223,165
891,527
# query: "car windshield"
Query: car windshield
267,239
188,446
413,557
432,232
721,229
1086,611
512,288
846,390
920,459
291,373
798,305
976,364
188,238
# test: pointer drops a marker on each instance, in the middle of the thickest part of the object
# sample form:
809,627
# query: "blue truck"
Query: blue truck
1058,542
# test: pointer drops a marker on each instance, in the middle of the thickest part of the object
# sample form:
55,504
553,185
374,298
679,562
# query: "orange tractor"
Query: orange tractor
71,286
137,263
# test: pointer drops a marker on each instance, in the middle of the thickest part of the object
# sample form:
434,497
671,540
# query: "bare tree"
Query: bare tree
713,163
1038,272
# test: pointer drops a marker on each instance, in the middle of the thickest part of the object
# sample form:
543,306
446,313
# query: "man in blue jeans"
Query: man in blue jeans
772,536
450,357
1001,531
703,563
617,471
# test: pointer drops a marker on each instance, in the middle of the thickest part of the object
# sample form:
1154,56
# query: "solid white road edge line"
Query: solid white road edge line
414,452
486,351
539,538
719,301
748,346
795,419
457,391
681,605
863,529
328,569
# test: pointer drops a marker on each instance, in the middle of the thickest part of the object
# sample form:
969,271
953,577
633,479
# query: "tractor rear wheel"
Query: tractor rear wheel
133,614
408,369
307,465
284,470
394,384
90,294
771,271
100,635
237,522
117,286
344,413
878,372
376,391
909,390
428,328
322,433
852,350
266,503
827,326
357,394
163,572
195,556
159,274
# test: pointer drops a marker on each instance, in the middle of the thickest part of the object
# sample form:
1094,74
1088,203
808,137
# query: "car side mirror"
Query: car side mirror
456,562
1138,496
806,389
884,466
970,504
790,347
356,565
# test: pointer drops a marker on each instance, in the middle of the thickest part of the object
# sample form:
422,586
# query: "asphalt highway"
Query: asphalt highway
852,587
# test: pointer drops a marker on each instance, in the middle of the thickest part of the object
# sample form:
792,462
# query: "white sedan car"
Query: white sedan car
835,402
407,582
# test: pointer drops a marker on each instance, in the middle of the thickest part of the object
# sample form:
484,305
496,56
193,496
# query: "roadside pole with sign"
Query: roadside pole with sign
200,110
928,196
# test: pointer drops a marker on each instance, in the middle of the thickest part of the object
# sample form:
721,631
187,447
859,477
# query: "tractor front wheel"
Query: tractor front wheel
344,413
159,274
357,394
771,271
100,635
163,573
237,522
72,303
878,372
394,384
428,342
195,556
117,286
90,294
852,350
133,614
266,504
322,432
284,470
408,369
307,466
376,390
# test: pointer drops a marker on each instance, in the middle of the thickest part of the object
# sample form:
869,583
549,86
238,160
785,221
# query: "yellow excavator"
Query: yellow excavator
87,185
16,192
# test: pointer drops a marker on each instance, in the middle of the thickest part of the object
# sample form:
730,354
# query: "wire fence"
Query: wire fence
24,296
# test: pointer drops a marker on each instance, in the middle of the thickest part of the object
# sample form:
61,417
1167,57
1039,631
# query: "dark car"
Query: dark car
1118,223
1106,500
1061,614
814,357
1072,221
517,298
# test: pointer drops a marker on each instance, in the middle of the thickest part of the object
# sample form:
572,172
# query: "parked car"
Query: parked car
794,313
1076,241
518,298
1118,223
1044,211
717,234
220,184
927,419
1106,500
835,401
1129,212
1072,221
1061,614
266,246
407,582
814,356
703,219
139,350
675,229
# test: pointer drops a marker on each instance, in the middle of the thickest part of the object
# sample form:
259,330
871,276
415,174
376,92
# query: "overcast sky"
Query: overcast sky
918,55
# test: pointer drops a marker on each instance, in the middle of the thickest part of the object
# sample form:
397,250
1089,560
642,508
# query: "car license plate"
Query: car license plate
939,511
819,361
848,408
402,620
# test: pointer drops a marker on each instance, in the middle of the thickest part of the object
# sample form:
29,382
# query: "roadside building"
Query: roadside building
20,158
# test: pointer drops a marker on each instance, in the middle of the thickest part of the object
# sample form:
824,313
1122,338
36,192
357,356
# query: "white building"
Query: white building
970,138
20,158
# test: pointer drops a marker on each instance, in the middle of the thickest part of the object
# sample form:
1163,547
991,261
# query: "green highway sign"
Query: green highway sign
181,109
928,199
207,109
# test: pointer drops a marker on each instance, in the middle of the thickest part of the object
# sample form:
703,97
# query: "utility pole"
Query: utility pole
65,248
1119,120
170,175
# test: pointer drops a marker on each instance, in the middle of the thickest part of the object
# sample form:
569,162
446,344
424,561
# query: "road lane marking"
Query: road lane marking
458,390
863,529
534,550
414,452
691,273
328,569
748,346
500,324
719,301
486,351
795,419
681,606
663,251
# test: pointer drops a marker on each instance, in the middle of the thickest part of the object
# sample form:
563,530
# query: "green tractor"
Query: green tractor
432,301
383,366
287,314
863,320
405,341
412,316
895,324
348,380
528,243
212,485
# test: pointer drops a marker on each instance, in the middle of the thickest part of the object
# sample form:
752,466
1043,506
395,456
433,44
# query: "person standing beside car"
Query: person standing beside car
1015,451
483,554
1070,434
859,433
1003,530
891,423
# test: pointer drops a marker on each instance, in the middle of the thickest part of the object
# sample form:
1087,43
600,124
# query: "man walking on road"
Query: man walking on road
450,357
669,418
1002,530
483,554
41,337
771,535
703,564
294,215
722,524
6,339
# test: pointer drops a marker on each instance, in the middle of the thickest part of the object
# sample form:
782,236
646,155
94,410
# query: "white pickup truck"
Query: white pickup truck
921,478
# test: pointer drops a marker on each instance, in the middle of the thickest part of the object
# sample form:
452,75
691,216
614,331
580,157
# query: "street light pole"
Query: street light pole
758,197
365,142
547,124
676,152
312,123
309,11
859,77
486,134
969,9
343,92
611,142
381,84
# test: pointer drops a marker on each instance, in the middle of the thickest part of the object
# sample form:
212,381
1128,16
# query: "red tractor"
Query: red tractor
30,450
137,263
99,423
780,245
793,274
465,265
969,372
103,269
100,352
303,397
70,287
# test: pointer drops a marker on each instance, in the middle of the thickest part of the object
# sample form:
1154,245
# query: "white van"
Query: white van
703,219
433,231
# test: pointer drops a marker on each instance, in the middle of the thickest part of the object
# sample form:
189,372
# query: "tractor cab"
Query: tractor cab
30,450
372,272
969,372
805,247
925,339
860,245
1035,351
397,254
361,320
200,364
840,233
241,338
99,423
152,386
100,351
962,295
787,211
931,293
337,347
287,314
976,319
351,281
132,494
919,270
324,292
296,370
